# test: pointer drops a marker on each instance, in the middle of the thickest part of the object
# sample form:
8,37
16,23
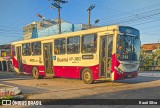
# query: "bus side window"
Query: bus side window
89,43
110,46
73,45
26,49
59,46
36,48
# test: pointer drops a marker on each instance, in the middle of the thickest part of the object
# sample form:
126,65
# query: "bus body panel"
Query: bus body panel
71,65
122,74
74,71
59,71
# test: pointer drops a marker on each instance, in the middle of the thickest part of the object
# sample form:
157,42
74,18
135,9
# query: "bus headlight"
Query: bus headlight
118,69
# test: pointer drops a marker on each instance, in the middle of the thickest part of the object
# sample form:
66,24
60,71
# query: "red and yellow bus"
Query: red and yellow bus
110,52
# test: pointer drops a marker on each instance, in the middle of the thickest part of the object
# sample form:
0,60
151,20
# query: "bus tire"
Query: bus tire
87,76
35,73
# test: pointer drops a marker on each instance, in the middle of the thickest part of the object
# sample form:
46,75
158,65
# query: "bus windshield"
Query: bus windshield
128,48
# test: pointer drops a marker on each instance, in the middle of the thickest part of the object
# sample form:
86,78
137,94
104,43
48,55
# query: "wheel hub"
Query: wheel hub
87,76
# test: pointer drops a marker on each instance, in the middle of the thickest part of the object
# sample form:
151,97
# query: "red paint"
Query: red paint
15,62
74,71
116,63
95,70
60,71
28,69
123,75
41,70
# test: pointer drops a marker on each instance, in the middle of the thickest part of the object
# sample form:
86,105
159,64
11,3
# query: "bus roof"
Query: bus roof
88,31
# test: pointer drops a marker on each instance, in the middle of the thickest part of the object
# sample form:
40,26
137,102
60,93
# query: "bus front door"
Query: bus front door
48,64
19,59
105,56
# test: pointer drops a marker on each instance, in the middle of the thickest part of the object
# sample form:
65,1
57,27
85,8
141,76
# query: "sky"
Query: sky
143,15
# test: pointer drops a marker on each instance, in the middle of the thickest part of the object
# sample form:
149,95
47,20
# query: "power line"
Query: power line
146,22
131,13
134,12
140,16
151,34
56,4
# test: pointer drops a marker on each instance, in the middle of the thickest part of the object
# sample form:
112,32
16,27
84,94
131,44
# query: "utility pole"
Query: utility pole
89,14
59,18
56,4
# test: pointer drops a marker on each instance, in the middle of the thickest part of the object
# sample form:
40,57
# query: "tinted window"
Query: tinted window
73,44
26,49
128,47
59,46
110,46
89,43
36,48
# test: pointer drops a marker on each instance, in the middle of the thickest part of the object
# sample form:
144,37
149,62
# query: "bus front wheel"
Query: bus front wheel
87,76
35,73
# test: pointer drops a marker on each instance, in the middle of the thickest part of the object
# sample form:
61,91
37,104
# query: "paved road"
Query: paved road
31,86
12,76
145,86
9,78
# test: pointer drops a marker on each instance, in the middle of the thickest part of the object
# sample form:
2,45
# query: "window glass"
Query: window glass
110,46
89,43
13,50
128,47
36,48
73,44
26,49
59,46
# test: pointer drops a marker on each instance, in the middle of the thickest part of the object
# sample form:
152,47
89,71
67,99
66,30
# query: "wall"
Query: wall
65,28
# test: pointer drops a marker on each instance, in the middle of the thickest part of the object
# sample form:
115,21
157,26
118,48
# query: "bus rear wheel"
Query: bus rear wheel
35,73
87,76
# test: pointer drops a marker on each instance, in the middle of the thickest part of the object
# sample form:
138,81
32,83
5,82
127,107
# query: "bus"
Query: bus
102,53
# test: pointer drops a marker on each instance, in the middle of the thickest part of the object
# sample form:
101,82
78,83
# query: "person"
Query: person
119,52
56,50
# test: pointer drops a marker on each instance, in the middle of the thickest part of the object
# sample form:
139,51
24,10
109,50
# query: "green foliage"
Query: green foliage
147,60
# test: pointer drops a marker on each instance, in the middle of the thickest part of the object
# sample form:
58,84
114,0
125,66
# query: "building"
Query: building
28,29
5,58
150,48
49,27
4,51
150,56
